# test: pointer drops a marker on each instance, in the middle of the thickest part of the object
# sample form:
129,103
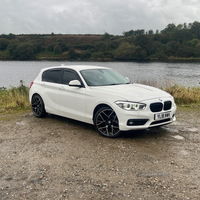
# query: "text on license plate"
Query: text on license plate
160,116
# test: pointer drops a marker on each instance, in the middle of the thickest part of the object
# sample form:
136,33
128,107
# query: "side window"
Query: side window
69,76
55,76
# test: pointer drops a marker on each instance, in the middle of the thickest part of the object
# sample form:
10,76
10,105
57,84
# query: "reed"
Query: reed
185,96
14,98
17,98
182,95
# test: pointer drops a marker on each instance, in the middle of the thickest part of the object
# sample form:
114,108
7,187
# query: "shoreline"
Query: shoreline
60,58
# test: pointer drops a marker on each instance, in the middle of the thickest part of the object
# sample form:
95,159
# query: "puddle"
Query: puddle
171,129
183,152
178,137
193,129
22,123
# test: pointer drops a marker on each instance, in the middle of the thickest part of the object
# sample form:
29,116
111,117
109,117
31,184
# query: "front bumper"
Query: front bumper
137,120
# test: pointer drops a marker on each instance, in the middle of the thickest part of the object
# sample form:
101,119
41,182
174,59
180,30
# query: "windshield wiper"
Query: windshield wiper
118,83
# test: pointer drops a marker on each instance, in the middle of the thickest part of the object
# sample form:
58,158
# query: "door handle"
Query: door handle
62,88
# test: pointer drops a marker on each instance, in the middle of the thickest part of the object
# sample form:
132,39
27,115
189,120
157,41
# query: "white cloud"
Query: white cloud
93,17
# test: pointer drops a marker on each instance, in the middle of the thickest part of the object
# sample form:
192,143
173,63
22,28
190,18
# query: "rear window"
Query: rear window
53,76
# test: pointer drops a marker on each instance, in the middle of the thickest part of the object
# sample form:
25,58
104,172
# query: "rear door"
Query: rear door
51,83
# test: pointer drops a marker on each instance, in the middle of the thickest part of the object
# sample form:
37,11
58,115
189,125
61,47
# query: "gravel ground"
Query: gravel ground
59,158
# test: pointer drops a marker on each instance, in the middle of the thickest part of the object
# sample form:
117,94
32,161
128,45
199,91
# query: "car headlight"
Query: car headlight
127,105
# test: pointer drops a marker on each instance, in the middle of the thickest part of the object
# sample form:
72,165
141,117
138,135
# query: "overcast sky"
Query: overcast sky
93,16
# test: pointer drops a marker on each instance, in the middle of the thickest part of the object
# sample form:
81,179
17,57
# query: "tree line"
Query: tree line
173,42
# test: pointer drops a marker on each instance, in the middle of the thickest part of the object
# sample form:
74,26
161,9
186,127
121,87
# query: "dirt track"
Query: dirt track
58,158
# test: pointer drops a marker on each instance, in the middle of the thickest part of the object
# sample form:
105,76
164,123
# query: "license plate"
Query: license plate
160,116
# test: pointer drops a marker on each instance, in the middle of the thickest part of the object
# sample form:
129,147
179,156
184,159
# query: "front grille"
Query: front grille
157,107
167,105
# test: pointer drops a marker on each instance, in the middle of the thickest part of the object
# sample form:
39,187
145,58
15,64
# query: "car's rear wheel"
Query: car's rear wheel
106,122
37,105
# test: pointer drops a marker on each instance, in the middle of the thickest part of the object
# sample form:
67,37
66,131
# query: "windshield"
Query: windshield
103,77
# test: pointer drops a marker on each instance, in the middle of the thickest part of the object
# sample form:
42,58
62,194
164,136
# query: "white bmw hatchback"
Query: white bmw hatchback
100,96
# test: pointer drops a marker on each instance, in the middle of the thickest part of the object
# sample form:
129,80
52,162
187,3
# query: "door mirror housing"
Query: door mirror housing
75,83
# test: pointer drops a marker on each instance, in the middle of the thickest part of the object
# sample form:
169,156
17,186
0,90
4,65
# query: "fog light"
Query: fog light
136,122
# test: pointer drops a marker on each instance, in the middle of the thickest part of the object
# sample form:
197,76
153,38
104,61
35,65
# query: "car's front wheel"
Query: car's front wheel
106,122
37,105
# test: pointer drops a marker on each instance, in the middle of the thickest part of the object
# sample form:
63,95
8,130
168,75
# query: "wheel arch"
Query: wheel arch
38,106
99,107
34,95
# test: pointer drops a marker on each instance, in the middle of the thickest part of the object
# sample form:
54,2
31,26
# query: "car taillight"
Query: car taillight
31,84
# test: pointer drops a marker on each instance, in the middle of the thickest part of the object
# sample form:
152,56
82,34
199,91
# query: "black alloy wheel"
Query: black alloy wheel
106,122
38,106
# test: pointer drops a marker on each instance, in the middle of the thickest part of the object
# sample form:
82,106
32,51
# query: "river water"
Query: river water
185,74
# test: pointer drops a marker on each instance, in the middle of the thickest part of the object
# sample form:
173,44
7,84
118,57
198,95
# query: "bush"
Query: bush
72,55
57,49
14,98
22,51
3,43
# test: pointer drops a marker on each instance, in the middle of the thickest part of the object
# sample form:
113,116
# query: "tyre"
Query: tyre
37,105
106,122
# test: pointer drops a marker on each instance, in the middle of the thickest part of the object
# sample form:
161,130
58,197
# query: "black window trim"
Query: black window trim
77,75
62,74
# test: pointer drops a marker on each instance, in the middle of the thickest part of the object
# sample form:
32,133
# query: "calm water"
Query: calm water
185,74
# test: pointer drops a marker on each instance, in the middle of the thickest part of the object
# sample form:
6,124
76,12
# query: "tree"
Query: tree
51,47
3,43
179,27
150,32
24,51
195,42
186,52
133,33
124,52
144,41
195,29
107,35
163,38
172,47
127,51
73,55
57,49
60,42
170,28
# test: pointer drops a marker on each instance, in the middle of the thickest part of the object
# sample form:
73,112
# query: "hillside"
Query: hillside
173,43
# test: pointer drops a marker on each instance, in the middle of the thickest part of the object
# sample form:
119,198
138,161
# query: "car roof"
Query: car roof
75,67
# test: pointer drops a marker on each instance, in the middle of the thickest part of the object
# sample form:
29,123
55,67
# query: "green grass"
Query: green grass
17,98
183,96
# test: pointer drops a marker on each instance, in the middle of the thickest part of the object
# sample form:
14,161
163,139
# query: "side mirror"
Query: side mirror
75,83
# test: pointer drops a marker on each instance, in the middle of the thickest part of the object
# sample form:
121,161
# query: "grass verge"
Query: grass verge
183,96
16,99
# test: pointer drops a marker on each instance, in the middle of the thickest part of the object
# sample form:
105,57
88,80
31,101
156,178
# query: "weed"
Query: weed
182,95
14,98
